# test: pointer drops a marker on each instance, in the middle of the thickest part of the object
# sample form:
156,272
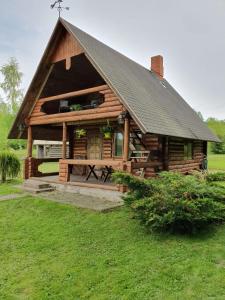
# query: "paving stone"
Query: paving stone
11,197
82,201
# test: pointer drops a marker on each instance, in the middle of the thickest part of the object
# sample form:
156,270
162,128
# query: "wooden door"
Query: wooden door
94,146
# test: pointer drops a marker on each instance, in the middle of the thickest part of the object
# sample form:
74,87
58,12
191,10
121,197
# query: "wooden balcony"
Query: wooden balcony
109,108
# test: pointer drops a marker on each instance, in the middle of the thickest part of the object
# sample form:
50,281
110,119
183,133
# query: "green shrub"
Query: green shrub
173,202
218,176
16,144
9,165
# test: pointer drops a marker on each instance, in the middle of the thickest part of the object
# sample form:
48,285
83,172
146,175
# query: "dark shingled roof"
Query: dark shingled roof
153,103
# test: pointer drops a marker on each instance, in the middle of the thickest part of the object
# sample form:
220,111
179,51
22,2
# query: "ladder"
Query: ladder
136,143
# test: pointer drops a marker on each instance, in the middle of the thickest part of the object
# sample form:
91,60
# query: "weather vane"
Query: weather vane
57,5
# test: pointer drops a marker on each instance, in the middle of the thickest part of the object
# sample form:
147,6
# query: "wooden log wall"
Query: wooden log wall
63,171
153,143
176,156
107,148
176,161
67,47
80,147
31,165
110,108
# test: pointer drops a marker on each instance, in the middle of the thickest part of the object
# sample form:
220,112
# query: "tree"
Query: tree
10,99
10,85
200,115
219,148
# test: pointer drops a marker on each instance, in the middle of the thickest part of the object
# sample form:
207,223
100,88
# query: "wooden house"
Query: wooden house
114,113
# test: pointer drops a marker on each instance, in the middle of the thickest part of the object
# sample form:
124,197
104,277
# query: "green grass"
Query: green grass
53,251
10,187
49,167
216,162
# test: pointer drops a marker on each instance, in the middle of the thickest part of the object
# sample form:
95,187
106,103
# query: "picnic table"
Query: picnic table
108,165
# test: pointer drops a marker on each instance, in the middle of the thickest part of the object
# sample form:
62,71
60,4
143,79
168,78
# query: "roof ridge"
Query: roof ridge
118,52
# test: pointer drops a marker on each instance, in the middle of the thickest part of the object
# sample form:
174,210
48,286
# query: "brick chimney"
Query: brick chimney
157,66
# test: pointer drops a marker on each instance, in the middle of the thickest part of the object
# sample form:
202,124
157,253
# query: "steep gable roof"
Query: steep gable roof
153,103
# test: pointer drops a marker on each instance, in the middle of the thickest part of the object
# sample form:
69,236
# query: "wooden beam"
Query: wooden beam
77,118
68,63
126,139
29,141
80,112
97,162
71,141
74,94
41,88
64,140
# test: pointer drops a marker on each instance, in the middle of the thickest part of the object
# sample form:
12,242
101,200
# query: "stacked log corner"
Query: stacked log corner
63,171
31,168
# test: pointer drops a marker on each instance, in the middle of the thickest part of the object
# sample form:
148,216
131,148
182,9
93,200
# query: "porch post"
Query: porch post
29,141
71,141
126,139
64,140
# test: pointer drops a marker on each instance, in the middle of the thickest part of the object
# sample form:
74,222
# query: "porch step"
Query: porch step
37,187
36,191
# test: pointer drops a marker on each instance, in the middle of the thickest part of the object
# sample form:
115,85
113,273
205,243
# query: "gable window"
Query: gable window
118,144
188,150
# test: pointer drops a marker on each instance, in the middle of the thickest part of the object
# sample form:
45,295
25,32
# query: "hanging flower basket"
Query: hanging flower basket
107,131
80,133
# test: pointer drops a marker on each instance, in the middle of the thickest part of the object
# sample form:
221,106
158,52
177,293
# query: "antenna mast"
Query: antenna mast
57,5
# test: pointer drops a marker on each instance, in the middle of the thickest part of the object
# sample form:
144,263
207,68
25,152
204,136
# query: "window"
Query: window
188,150
118,144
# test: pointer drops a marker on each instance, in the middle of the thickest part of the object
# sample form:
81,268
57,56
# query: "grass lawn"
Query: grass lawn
10,188
216,162
49,167
54,251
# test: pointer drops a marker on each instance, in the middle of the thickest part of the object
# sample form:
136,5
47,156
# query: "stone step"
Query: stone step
37,191
35,184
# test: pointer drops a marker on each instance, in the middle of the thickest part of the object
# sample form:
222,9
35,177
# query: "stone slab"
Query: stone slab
82,201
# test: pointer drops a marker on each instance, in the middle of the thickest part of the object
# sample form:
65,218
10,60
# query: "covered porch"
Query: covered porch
90,160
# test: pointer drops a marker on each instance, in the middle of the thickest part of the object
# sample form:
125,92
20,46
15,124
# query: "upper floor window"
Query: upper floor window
188,150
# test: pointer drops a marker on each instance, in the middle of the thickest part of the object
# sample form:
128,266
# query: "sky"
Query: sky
190,35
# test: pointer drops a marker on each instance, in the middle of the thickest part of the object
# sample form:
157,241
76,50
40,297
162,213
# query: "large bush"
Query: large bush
174,202
9,165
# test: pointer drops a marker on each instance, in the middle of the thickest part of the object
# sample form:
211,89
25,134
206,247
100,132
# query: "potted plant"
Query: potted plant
80,133
75,107
107,131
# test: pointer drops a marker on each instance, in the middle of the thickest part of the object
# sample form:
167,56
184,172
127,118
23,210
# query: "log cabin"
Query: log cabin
114,113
